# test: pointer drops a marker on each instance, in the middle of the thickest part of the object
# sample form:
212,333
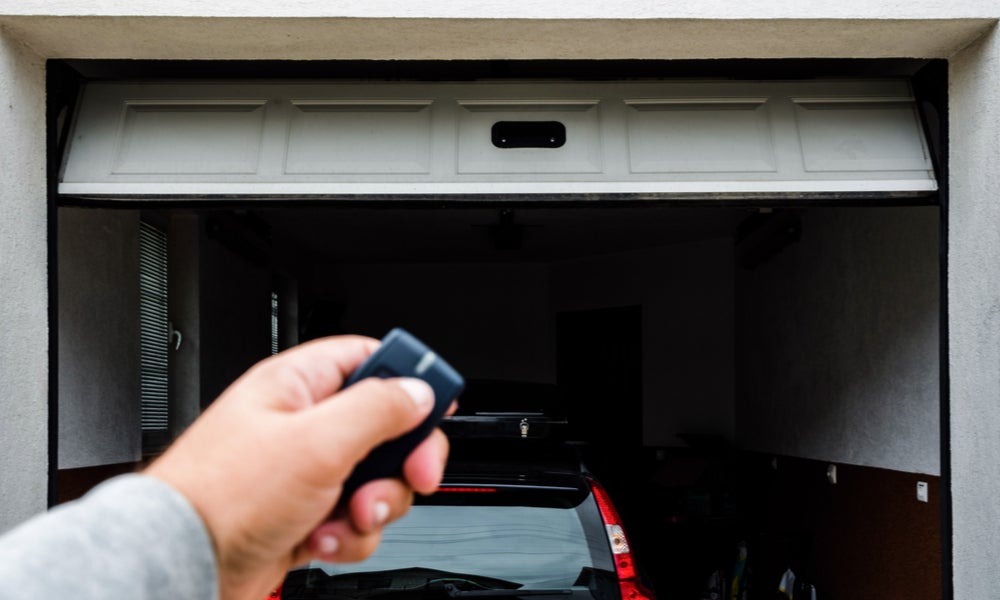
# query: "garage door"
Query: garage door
556,140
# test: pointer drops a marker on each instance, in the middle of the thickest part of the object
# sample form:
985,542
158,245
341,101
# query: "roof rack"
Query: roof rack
505,425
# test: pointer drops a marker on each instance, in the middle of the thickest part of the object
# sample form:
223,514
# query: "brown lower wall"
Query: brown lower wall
73,483
867,536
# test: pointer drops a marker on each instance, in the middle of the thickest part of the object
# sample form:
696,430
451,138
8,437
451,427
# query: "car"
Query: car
515,516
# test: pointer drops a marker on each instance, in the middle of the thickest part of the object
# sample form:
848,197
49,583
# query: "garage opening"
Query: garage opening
747,365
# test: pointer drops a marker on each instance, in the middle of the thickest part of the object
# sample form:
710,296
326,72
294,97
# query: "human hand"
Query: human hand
265,464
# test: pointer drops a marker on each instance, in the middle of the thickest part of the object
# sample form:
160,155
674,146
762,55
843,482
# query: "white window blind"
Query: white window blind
274,322
154,331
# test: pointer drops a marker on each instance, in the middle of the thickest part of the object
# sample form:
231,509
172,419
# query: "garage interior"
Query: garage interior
761,370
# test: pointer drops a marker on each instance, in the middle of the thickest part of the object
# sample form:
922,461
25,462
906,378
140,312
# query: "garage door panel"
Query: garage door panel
854,134
655,138
359,137
189,136
706,135
581,152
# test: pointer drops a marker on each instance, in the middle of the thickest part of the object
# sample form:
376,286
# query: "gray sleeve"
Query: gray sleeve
133,537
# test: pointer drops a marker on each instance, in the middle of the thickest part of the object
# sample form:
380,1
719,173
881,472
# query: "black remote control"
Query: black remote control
403,355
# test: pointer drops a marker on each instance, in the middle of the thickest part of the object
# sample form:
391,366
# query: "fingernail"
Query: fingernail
419,391
381,510
328,544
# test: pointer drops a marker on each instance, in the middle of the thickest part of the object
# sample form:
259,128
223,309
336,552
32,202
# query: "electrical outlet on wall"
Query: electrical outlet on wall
922,491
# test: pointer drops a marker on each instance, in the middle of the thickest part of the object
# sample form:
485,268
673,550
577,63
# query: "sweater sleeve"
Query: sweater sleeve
131,537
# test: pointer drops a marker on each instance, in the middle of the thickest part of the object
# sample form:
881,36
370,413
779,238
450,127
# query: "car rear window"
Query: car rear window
531,538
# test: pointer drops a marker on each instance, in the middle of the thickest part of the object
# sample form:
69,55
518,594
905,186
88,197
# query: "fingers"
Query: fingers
337,541
307,373
424,467
377,503
374,411
356,533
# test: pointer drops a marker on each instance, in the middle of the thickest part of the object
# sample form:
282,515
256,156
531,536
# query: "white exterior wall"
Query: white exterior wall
486,29
24,356
515,29
974,317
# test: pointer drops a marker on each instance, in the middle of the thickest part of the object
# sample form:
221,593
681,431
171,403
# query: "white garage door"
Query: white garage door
635,139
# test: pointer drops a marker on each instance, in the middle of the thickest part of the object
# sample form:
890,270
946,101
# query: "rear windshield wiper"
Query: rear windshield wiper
455,592
416,582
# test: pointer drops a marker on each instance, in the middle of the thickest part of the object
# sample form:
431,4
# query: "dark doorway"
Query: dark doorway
599,374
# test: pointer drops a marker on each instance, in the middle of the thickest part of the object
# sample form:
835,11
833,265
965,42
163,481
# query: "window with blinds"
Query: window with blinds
154,336
274,323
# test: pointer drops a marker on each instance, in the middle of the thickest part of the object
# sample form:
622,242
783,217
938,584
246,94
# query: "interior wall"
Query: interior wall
98,359
687,321
235,315
184,282
686,294
838,347
490,320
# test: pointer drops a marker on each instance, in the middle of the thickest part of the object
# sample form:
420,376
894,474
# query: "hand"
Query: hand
265,463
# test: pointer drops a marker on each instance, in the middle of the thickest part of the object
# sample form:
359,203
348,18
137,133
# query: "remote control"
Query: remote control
403,355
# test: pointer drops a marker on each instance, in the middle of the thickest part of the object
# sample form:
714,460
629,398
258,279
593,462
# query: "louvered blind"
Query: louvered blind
154,333
274,322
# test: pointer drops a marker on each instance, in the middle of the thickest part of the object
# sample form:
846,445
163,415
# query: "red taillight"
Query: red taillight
466,490
628,579
633,590
275,594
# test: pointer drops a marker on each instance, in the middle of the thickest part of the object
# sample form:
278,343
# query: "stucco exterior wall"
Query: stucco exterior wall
486,29
974,317
338,38
504,9
24,357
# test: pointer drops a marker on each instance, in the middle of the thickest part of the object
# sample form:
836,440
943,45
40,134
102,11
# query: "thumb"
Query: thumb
365,415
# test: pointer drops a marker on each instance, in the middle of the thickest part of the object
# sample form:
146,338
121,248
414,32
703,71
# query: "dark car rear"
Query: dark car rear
510,521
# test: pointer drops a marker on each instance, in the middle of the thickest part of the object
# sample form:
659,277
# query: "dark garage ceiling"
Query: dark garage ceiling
492,233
